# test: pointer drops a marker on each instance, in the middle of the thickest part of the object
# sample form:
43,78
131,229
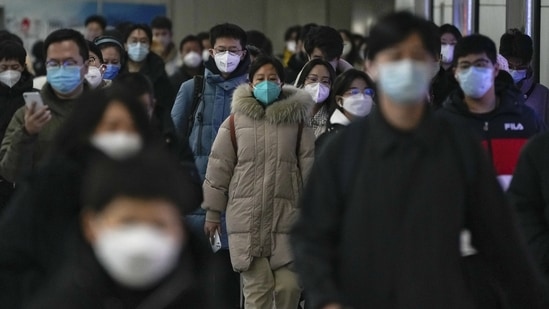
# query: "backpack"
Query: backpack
198,90
235,146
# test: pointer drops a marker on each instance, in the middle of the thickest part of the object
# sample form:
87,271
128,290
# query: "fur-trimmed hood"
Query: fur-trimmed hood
293,107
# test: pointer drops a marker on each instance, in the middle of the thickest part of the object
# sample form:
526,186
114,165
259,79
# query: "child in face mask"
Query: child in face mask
96,68
316,78
136,248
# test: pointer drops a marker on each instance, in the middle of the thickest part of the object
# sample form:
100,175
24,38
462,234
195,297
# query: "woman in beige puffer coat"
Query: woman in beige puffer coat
259,162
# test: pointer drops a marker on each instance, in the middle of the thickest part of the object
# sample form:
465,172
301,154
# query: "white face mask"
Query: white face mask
164,40
226,62
447,52
192,60
358,105
291,46
10,77
318,91
475,82
406,81
137,256
118,145
346,49
94,77
205,55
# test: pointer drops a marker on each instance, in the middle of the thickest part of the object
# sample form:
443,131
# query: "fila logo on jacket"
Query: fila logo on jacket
513,126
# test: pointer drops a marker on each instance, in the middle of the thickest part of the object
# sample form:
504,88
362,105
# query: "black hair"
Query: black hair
96,19
447,28
96,50
8,36
136,83
397,27
11,50
151,174
342,84
260,41
516,44
106,41
306,70
436,30
62,35
134,27
227,30
475,44
291,30
203,36
73,138
262,60
37,50
353,54
325,38
161,22
190,38
304,30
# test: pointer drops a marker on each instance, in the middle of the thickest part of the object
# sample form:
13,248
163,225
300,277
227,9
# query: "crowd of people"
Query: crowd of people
402,169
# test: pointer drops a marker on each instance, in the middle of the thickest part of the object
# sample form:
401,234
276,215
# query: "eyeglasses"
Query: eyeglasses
368,91
221,50
315,79
52,64
92,60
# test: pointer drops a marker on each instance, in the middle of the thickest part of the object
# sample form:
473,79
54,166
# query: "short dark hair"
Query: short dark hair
475,44
161,22
447,28
96,50
134,27
300,82
516,44
190,38
73,138
227,30
343,83
262,60
151,174
259,40
203,35
8,36
106,41
11,50
397,27
325,38
68,35
37,50
136,83
291,30
96,19
305,29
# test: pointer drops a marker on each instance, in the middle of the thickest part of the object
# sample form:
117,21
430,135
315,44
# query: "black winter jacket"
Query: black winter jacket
503,131
529,195
381,221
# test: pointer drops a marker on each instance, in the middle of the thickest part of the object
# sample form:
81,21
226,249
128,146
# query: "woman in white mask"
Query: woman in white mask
96,69
353,97
136,248
443,81
316,78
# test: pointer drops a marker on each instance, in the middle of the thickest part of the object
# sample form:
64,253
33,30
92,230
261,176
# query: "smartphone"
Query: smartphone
31,97
215,241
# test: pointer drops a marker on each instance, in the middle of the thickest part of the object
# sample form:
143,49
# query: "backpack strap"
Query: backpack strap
233,133
197,96
298,143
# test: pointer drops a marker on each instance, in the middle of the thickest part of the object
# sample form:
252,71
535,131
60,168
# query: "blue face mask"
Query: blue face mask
64,79
111,71
405,82
267,92
518,75
138,51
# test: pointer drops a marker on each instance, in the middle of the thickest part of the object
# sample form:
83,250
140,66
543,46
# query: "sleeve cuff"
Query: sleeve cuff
213,216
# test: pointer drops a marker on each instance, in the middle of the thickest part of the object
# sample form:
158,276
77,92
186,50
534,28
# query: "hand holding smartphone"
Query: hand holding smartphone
33,97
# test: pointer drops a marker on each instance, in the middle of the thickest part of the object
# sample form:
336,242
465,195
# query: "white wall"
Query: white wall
544,43
492,19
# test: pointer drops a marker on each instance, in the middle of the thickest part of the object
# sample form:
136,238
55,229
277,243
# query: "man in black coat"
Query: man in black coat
381,221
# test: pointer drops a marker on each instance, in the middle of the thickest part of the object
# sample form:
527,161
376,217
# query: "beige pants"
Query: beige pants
261,284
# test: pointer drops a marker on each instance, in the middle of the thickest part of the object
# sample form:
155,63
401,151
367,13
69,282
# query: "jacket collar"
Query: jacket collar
293,106
385,138
59,106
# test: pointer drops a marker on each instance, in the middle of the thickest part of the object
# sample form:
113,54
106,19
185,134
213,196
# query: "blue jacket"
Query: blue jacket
214,108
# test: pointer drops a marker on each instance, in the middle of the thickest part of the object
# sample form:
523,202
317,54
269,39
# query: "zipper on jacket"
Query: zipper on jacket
486,126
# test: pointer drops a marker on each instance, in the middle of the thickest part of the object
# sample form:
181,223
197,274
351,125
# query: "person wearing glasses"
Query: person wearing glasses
316,78
493,109
96,69
201,106
31,130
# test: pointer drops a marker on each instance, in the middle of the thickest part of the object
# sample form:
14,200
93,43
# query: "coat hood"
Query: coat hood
293,105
